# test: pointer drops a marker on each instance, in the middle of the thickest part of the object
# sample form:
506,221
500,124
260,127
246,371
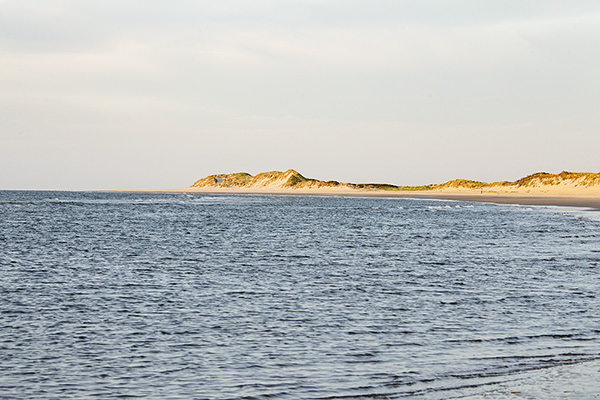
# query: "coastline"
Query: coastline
591,202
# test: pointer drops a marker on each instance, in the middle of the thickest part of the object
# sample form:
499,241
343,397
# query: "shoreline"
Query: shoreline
590,202
578,380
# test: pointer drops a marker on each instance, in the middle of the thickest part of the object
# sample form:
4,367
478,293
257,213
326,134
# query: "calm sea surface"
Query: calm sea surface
107,295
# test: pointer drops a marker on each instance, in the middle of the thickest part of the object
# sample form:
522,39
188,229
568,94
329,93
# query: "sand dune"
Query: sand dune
565,183
289,180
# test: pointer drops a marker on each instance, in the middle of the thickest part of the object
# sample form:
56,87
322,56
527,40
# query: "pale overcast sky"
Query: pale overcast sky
132,94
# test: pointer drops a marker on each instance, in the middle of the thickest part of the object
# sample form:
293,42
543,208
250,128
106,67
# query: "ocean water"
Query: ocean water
178,296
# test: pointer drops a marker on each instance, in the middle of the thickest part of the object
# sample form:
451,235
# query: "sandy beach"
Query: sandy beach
565,198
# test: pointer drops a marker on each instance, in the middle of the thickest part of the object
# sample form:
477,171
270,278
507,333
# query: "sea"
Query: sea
203,296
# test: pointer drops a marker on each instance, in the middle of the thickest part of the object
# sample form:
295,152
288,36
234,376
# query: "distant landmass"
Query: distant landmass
538,183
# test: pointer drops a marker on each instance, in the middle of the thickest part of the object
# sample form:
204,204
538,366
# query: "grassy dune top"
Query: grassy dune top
291,179
584,179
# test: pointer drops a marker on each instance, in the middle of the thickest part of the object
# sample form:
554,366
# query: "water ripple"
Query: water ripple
229,297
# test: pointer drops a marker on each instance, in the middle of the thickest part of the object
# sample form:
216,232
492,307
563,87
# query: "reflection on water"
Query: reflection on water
204,296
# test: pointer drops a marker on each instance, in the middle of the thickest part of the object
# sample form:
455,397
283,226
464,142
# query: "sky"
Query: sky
132,94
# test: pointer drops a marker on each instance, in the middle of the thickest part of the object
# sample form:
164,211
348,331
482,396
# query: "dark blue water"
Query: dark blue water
202,296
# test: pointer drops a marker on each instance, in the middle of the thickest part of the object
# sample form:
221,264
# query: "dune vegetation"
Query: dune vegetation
289,179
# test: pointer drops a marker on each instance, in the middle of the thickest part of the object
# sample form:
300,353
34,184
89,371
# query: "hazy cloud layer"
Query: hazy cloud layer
145,94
